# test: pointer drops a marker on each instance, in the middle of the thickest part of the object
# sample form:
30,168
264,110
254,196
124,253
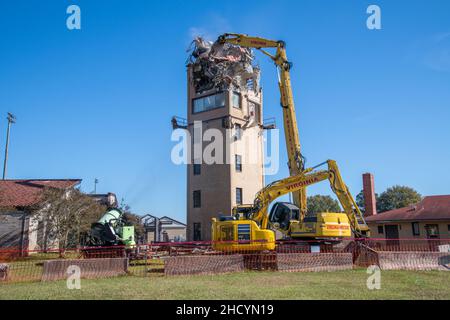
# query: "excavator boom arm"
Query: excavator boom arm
299,182
346,199
249,42
295,158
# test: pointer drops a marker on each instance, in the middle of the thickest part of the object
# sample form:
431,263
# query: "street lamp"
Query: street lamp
11,119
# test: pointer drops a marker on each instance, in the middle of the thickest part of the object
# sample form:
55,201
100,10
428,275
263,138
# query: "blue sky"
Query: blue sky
97,102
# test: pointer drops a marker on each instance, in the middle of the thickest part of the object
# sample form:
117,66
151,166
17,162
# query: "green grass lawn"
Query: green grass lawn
249,285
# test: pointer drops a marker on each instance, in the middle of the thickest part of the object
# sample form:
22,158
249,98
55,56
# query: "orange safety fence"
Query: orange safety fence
199,257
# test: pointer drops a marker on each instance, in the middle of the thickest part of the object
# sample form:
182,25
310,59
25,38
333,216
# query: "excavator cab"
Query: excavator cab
242,211
282,213
285,216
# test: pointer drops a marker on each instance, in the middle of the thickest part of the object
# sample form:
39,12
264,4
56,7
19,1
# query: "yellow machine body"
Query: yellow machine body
326,225
241,235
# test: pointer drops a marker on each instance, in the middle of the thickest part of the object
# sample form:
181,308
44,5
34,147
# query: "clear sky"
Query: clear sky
97,102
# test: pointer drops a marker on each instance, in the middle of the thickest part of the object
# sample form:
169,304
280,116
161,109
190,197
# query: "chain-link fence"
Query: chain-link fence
186,258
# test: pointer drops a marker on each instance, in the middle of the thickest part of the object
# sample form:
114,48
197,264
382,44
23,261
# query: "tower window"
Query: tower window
197,169
238,162
197,198
253,112
238,195
250,84
238,132
236,100
208,103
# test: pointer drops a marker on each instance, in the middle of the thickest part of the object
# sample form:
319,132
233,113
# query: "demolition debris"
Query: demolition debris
222,66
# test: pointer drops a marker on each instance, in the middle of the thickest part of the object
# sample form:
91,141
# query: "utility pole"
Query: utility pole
11,119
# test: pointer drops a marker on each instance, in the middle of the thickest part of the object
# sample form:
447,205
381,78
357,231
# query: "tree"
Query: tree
397,197
65,215
393,198
360,201
319,203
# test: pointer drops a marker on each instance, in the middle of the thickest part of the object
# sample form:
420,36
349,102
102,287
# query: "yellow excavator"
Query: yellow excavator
296,160
248,227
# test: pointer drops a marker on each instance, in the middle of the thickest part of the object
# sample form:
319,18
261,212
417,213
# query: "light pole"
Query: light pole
95,185
11,119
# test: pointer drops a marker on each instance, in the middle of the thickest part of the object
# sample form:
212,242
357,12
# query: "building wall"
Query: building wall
406,232
172,233
12,226
24,232
35,235
150,236
40,235
176,233
218,182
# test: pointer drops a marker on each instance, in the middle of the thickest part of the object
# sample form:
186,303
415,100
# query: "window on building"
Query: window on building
415,229
448,228
238,195
197,199
238,162
253,112
238,132
208,103
197,169
250,84
236,100
432,231
197,231
380,229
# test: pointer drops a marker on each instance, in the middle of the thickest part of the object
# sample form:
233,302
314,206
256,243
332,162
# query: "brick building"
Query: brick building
18,229
428,219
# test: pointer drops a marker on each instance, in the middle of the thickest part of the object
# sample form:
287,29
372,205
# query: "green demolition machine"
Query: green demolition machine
110,236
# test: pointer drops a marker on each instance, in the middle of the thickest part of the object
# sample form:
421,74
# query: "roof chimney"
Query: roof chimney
370,201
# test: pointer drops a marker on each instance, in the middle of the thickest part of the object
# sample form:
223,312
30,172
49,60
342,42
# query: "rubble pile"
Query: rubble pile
222,66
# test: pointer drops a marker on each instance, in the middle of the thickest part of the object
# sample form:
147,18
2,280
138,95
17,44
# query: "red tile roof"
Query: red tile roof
24,193
430,208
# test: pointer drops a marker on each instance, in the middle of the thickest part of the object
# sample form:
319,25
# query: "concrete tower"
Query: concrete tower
234,113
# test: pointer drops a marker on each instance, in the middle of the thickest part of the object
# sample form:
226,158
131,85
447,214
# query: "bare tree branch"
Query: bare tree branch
67,214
